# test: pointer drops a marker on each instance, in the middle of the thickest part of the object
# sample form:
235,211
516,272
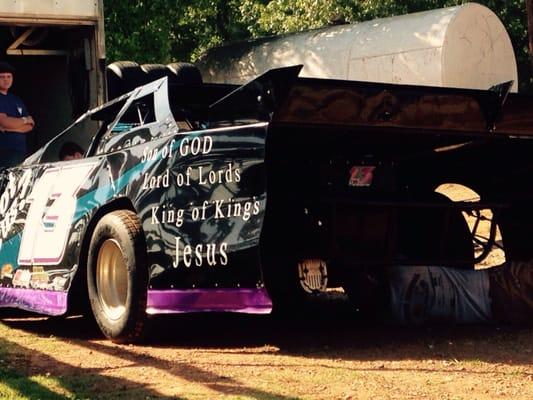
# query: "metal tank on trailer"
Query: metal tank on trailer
465,46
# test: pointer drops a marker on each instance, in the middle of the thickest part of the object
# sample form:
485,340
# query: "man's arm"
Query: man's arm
13,124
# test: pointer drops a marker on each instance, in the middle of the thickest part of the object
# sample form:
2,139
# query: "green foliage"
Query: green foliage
138,30
283,16
160,31
180,30
202,24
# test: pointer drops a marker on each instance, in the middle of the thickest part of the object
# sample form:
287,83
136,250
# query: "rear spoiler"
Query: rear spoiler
417,109
284,99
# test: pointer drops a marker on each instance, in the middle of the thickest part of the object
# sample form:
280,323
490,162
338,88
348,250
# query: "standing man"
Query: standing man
15,122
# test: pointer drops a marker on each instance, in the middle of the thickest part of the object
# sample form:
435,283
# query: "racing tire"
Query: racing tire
117,277
420,236
122,77
367,293
155,71
185,73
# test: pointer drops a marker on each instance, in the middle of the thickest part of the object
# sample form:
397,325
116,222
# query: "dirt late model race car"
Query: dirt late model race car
161,204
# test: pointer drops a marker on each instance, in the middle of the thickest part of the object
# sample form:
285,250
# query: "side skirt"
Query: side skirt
41,301
250,301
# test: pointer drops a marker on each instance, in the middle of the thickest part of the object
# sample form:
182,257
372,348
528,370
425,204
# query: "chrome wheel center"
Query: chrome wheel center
112,279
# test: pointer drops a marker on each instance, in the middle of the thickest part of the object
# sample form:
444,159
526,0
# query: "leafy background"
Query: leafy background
162,31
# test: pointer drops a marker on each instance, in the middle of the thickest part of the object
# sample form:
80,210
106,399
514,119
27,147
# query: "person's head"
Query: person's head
6,76
70,151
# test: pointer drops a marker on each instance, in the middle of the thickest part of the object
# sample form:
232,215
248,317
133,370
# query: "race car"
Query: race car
156,202
155,214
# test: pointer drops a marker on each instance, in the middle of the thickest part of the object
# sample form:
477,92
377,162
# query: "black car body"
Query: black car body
219,198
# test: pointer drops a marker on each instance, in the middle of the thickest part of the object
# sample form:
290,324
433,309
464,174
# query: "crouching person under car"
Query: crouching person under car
414,295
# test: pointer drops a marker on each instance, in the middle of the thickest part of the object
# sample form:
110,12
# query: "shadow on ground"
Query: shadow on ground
323,329
84,382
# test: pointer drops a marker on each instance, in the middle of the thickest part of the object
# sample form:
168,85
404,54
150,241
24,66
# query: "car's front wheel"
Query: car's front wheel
117,276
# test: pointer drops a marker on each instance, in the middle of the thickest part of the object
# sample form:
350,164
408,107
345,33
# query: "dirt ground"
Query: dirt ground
325,352
322,354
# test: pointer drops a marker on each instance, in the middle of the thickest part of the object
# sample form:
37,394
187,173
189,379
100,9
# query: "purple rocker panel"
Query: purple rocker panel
251,301
43,301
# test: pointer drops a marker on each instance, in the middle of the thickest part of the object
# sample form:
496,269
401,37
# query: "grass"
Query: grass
20,381
14,385
17,381
17,385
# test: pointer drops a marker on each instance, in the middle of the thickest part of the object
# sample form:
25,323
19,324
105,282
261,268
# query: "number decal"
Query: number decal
52,206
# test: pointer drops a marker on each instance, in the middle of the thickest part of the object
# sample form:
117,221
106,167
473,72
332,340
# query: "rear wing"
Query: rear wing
402,107
281,97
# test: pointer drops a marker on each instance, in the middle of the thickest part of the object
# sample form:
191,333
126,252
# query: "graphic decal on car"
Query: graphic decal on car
13,200
52,206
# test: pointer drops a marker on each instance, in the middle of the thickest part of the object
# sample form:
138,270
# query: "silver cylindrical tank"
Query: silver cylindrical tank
465,46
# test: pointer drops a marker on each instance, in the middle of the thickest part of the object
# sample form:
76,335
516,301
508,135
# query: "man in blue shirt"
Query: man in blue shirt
15,122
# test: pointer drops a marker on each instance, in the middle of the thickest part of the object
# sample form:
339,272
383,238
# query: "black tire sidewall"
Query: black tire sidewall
155,71
185,73
122,77
126,327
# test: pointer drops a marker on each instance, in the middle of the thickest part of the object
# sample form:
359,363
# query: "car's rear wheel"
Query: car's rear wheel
436,235
117,276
